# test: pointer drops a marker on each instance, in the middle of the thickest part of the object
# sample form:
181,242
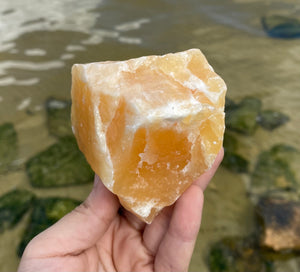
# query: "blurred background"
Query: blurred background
251,216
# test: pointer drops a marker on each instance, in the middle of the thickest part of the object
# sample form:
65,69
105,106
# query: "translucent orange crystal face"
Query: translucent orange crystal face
149,126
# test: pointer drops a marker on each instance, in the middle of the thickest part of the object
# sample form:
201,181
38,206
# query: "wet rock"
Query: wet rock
270,119
236,254
58,117
230,143
278,26
8,146
280,221
277,170
13,205
46,212
235,162
242,118
61,164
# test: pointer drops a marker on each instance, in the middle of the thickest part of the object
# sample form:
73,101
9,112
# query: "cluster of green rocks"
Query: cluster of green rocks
274,188
61,164
243,118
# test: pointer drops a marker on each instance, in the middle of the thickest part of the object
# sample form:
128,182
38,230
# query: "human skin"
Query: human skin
101,236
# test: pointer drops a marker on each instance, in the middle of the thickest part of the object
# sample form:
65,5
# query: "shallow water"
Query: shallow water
40,41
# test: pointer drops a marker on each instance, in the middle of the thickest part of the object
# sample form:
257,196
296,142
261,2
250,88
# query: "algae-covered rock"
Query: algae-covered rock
60,165
58,117
235,254
243,117
232,160
276,169
278,26
280,221
13,205
230,143
235,162
45,213
270,119
8,146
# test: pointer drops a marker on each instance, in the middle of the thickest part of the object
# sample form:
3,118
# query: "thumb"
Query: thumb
80,229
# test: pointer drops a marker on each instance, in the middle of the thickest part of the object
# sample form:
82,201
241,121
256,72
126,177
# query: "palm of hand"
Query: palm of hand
96,236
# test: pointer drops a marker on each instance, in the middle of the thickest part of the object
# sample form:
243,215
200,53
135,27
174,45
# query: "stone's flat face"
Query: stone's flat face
61,164
281,220
149,126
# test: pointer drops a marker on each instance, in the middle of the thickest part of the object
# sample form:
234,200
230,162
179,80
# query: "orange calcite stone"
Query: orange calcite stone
149,126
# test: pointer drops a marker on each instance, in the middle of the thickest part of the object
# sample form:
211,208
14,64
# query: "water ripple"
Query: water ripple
27,65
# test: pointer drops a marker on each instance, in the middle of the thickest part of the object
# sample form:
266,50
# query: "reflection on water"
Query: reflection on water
40,41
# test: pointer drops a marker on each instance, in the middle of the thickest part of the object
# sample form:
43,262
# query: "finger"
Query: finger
154,233
176,249
204,179
79,229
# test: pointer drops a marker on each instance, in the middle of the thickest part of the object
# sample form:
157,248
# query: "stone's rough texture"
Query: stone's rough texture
58,117
13,205
230,142
277,170
46,212
149,126
233,161
61,164
270,119
242,117
281,221
8,146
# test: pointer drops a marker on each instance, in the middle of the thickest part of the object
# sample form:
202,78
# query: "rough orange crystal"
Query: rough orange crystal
149,126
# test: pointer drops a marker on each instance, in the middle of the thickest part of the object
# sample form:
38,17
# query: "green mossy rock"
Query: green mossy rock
13,205
270,119
8,146
243,117
235,162
235,254
61,164
277,170
230,143
58,117
278,26
45,213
